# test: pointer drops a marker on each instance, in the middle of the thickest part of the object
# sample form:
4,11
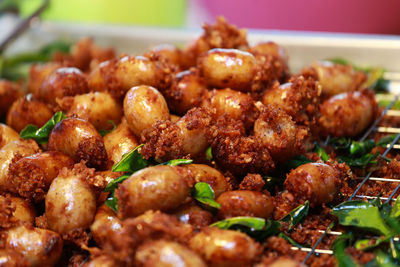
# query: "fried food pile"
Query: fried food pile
234,110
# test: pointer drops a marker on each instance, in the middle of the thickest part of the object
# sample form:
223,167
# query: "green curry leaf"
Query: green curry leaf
204,193
362,215
41,135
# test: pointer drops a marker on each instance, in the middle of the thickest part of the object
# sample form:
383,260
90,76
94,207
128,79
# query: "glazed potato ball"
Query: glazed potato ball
337,78
27,110
348,114
186,91
7,135
222,68
38,73
40,247
234,104
31,176
153,188
225,247
9,92
119,142
70,201
105,222
316,182
143,107
98,108
79,140
167,253
244,203
11,152
63,82
133,71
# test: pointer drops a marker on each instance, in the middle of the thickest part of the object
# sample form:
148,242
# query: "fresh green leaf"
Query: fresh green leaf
258,228
395,212
254,223
366,244
297,161
361,148
359,162
290,240
297,215
321,152
386,140
176,162
209,155
340,143
204,193
131,162
339,246
384,260
41,135
340,61
112,202
114,183
362,215
104,132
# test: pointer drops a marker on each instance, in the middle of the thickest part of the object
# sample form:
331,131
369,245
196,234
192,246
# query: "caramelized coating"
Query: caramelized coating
70,201
244,203
235,104
154,188
166,253
23,209
225,247
105,222
317,182
97,108
336,78
31,176
209,175
253,182
38,73
132,71
348,114
167,52
63,82
12,152
194,215
118,142
39,247
100,79
270,48
10,258
185,138
219,35
299,97
186,91
7,135
222,68
146,227
279,133
85,51
143,107
79,140
27,110
237,153
9,92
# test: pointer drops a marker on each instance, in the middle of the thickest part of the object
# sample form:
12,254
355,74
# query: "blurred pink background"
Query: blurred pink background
354,16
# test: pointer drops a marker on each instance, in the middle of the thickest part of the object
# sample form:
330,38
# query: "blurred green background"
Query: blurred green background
170,13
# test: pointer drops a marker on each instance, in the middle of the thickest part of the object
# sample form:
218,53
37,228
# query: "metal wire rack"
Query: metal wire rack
375,127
